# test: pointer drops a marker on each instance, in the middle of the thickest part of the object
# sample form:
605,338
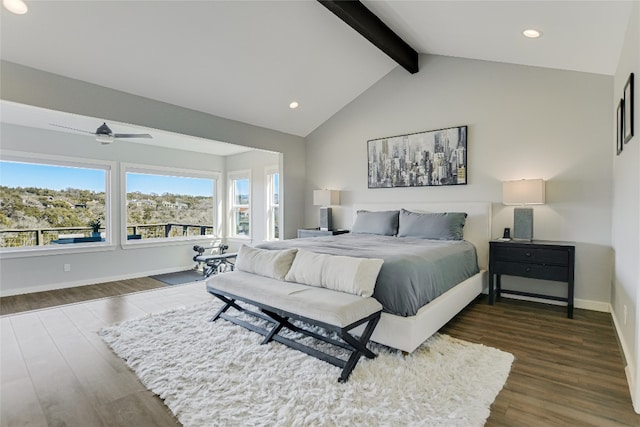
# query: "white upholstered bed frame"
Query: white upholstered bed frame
407,333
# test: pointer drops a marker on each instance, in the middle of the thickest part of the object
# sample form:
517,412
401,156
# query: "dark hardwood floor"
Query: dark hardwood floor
567,372
55,369
37,300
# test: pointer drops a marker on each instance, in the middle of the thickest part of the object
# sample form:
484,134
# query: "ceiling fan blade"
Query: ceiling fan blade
67,127
132,135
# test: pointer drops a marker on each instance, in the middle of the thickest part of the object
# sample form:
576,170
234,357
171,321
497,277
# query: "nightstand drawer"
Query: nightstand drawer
534,271
539,259
533,255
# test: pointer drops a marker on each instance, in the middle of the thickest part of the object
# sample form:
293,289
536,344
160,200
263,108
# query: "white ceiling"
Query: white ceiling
41,118
247,60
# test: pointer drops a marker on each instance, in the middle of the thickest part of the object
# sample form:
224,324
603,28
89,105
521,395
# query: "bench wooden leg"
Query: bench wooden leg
280,322
276,328
360,348
361,344
228,303
357,347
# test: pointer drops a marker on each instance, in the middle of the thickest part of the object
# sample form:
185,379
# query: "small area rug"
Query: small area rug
218,374
179,277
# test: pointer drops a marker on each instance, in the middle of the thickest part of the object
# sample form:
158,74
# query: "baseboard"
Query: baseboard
604,307
65,285
630,368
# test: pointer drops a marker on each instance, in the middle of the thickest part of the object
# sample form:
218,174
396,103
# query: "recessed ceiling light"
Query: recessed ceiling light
531,33
293,105
18,7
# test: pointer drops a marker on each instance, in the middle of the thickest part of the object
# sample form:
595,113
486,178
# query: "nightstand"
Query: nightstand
316,232
538,259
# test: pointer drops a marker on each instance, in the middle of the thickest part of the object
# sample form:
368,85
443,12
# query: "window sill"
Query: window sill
153,243
49,250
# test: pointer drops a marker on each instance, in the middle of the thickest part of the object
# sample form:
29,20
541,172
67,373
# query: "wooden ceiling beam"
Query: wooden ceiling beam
361,19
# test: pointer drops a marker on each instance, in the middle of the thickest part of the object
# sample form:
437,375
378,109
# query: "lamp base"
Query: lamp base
325,219
523,224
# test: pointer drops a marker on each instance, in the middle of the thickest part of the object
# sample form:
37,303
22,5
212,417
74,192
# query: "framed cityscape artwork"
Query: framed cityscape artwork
619,126
431,158
628,110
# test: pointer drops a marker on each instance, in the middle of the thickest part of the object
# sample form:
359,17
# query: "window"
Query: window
53,203
273,204
166,203
240,204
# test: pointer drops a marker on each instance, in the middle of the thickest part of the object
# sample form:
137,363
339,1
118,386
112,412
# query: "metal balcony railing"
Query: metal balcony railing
44,236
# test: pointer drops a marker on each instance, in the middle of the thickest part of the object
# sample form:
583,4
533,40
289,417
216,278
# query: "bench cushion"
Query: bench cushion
264,262
340,273
321,304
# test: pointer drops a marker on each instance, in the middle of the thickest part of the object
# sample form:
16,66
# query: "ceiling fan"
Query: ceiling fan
105,135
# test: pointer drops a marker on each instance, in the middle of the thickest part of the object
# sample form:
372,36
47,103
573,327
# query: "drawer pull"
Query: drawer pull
528,254
528,269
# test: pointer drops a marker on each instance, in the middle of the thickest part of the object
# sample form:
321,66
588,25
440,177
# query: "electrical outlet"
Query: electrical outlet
624,314
67,267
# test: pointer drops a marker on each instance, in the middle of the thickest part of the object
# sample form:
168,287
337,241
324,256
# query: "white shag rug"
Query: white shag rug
218,374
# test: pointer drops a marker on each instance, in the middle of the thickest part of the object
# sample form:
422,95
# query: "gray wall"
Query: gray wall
34,87
625,292
31,272
523,122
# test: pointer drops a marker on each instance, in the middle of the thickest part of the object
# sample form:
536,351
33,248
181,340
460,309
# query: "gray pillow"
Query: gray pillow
384,223
437,226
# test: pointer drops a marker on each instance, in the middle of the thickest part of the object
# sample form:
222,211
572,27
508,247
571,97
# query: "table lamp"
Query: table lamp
325,199
523,192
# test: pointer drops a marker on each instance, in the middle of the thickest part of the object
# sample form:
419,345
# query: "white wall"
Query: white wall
523,122
625,293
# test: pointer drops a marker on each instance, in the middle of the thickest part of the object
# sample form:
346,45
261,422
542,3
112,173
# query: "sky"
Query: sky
16,174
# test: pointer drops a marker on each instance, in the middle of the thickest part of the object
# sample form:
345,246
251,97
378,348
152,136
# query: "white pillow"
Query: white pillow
341,273
269,263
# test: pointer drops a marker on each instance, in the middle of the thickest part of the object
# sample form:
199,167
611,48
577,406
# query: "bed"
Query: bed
414,313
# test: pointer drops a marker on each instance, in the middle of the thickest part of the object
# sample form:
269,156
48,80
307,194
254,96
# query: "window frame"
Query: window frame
168,171
233,176
65,161
270,171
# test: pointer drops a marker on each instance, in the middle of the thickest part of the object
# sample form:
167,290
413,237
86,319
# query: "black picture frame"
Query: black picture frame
619,127
628,110
423,159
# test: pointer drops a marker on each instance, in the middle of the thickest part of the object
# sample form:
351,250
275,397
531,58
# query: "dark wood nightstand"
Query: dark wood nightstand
316,232
538,259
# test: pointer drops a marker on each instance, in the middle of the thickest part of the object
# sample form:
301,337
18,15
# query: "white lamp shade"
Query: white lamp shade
326,197
523,192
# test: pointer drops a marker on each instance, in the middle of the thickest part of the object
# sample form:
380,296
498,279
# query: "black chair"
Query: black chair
218,261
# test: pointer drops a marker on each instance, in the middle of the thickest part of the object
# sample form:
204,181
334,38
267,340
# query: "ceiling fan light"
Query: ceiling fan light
104,139
18,7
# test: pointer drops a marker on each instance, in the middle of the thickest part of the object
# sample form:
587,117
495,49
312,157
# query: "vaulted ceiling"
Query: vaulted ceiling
247,60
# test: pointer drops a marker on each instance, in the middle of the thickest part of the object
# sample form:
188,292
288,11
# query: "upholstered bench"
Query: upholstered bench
267,286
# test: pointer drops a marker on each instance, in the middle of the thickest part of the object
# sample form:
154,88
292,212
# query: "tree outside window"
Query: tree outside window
169,204
45,202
